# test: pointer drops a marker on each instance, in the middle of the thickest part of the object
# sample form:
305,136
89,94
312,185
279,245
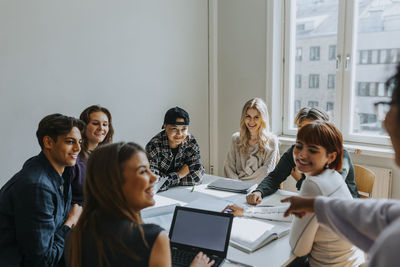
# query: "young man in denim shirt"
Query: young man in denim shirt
35,204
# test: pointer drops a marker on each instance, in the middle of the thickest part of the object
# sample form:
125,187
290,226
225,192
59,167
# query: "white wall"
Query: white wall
241,64
138,58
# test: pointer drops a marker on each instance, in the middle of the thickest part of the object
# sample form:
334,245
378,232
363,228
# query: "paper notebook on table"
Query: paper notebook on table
250,234
164,205
232,186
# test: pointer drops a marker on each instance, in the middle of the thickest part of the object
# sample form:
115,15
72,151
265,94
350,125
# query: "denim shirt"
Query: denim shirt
34,205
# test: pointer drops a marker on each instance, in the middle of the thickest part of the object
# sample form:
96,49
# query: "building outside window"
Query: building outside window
312,104
298,81
299,54
313,81
297,106
331,81
365,59
332,52
329,106
314,53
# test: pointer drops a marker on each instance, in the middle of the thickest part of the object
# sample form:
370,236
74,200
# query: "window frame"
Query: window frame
345,72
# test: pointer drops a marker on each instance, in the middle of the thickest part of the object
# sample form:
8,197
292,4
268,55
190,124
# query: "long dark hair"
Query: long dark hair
104,198
85,117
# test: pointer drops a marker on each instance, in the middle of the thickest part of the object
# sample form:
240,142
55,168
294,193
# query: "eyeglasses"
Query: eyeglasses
381,108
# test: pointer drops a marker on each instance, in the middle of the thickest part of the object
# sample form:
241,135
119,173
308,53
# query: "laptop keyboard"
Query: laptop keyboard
185,258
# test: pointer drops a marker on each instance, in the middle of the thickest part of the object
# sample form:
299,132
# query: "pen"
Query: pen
192,188
238,263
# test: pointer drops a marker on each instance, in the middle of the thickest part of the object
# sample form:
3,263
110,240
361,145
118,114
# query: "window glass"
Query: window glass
314,81
331,81
312,104
378,23
318,40
314,53
298,53
298,81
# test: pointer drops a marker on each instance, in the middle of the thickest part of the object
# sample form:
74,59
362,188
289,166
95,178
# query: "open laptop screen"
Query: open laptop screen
202,229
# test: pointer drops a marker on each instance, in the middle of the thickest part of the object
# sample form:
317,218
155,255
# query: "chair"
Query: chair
365,180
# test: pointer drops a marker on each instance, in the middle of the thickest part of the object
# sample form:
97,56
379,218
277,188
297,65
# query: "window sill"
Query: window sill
354,148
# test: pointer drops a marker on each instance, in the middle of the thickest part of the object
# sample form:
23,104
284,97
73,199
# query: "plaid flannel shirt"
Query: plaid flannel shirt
160,157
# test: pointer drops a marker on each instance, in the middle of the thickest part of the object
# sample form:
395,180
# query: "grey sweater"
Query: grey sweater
372,225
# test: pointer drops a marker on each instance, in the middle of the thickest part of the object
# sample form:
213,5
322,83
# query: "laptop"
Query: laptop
194,230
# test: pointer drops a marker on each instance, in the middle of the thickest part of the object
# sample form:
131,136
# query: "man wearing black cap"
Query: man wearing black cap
173,153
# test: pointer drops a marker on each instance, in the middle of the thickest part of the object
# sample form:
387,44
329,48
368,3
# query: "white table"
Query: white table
276,253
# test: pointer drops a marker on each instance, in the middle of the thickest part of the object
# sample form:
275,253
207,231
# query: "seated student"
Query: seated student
174,153
287,166
254,151
110,231
98,131
35,204
372,224
318,154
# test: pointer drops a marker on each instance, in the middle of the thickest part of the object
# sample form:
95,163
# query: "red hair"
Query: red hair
324,134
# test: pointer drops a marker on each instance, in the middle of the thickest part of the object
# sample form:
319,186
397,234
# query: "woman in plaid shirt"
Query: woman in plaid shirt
174,153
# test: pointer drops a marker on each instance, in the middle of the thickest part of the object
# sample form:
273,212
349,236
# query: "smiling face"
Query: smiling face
252,120
64,151
311,159
176,133
139,182
96,129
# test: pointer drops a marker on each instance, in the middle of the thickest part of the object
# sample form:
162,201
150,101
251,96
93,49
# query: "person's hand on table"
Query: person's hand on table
254,198
234,209
299,206
183,171
201,260
295,173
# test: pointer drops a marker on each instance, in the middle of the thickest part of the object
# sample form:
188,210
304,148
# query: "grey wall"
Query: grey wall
241,64
138,58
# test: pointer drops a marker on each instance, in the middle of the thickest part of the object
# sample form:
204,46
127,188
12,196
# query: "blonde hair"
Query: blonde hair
263,131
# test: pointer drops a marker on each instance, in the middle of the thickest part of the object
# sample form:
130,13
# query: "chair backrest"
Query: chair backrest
365,179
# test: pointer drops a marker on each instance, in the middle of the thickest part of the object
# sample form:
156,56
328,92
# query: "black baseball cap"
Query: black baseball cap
176,113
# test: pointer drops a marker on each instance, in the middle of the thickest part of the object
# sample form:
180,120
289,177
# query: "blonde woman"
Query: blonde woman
254,151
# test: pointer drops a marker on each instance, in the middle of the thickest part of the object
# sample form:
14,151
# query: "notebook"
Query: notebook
249,235
194,230
232,186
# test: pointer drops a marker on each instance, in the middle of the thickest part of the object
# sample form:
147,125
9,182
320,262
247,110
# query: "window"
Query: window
312,104
298,81
329,106
383,56
313,81
331,81
393,56
381,89
362,89
297,106
364,56
374,57
299,53
300,27
332,52
314,53
356,58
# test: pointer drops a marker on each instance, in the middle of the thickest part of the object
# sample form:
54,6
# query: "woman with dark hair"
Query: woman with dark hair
318,154
372,225
98,131
110,231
